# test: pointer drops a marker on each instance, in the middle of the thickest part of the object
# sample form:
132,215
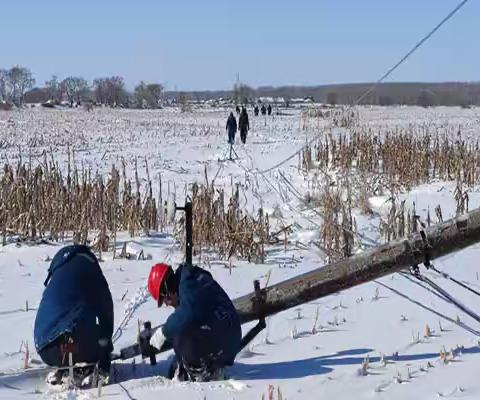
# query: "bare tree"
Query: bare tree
116,90
148,95
241,93
74,88
100,90
184,102
53,89
19,79
110,91
140,95
3,85
155,90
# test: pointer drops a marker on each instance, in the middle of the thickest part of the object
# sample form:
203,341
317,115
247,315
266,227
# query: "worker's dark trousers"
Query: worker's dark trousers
200,353
231,137
203,351
85,347
243,135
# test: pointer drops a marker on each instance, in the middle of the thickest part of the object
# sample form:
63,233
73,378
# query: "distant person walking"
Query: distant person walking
269,109
255,110
264,109
243,125
231,128
237,109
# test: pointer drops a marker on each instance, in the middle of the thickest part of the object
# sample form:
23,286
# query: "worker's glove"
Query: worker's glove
158,339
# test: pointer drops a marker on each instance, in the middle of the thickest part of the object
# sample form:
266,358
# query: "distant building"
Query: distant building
272,100
301,100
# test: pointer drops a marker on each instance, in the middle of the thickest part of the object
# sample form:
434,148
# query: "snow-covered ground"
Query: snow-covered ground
383,322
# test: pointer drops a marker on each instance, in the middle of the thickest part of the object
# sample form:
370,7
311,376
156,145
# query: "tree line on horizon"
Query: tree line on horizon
424,94
17,87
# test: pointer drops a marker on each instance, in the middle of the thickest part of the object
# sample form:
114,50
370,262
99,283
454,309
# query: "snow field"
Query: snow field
351,353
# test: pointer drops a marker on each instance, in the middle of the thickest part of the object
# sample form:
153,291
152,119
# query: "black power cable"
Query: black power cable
383,77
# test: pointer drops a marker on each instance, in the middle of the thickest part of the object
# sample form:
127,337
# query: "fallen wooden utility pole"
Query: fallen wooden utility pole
436,241
441,239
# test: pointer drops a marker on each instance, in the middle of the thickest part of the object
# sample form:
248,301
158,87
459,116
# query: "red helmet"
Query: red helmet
158,275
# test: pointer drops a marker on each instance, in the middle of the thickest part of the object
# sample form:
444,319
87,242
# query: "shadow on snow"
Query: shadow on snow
240,371
320,365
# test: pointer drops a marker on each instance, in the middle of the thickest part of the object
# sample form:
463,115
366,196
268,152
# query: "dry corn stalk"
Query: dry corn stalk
222,226
42,203
402,157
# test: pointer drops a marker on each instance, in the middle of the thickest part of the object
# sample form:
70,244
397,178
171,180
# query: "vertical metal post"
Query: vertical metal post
70,369
189,233
99,388
151,352
95,376
258,302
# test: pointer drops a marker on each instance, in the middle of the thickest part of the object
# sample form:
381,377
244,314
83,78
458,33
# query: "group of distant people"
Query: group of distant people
264,110
243,126
243,123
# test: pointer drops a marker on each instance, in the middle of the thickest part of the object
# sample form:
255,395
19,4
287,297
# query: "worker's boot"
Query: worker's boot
177,372
206,372
57,377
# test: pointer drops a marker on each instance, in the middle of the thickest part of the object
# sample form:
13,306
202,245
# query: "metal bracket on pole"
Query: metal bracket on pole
188,230
426,249
149,351
258,305
259,300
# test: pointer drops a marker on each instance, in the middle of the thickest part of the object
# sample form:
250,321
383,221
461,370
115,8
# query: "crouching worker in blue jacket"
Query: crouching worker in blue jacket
75,316
204,328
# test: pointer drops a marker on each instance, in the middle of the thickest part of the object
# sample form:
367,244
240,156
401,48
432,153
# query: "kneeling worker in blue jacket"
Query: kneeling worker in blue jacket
204,328
75,314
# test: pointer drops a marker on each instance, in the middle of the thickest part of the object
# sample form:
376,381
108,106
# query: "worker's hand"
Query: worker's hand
158,339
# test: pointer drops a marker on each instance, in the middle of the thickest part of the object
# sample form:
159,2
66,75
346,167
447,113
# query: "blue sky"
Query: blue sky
203,44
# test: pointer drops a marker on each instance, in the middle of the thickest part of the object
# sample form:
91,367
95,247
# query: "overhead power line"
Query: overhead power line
383,77
414,48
